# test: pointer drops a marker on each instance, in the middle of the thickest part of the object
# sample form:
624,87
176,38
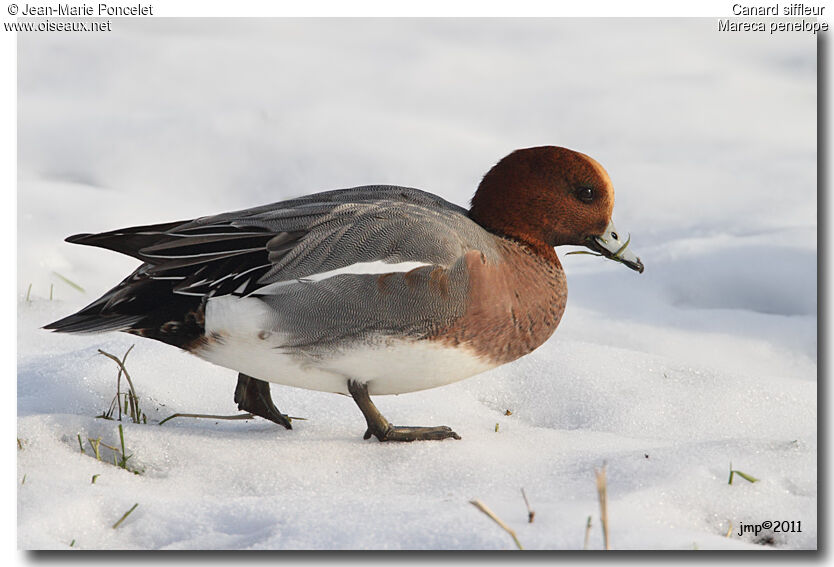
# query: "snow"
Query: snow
706,359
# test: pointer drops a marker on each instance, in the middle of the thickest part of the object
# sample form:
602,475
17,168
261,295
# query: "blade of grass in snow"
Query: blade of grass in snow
587,533
122,519
94,443
68,281
743,475
125,457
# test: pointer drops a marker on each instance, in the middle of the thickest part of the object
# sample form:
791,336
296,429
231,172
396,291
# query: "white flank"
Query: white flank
388,366
233,316
376,267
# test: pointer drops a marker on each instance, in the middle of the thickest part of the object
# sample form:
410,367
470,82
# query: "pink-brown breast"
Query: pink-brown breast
512,306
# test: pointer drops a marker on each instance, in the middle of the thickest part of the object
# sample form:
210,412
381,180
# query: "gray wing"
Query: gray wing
248,252
331,230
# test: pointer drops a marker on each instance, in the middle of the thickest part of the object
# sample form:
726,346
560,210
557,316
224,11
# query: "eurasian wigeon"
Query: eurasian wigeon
369,290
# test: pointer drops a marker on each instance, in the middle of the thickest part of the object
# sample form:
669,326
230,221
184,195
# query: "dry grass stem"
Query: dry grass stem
132,398
602,490
531,514
226,417
483,508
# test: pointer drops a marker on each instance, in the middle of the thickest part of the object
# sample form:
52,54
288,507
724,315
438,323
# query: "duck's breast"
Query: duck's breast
513,305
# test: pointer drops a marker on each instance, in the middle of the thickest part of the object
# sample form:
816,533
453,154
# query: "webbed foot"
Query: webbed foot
380,428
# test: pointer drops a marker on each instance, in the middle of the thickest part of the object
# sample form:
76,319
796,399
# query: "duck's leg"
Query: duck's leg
253,395
384,431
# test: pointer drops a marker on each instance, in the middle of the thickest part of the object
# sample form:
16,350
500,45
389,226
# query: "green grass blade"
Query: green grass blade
747,477
69,282
123,518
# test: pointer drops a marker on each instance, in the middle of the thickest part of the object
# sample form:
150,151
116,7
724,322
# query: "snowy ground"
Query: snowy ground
707,359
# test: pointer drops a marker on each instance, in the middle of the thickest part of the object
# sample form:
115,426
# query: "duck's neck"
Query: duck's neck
516,232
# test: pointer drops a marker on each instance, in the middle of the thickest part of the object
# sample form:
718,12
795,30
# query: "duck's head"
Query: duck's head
550,196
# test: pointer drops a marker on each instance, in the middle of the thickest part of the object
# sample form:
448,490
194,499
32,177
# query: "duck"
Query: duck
366,291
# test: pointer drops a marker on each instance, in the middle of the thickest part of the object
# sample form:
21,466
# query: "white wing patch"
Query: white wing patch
376,267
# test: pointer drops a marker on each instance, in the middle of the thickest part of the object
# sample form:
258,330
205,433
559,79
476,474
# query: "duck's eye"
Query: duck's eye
585,194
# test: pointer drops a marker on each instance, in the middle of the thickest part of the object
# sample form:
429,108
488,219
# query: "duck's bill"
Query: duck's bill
613,246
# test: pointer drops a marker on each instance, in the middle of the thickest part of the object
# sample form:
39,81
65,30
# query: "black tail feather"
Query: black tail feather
185,262
92,322
126,240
